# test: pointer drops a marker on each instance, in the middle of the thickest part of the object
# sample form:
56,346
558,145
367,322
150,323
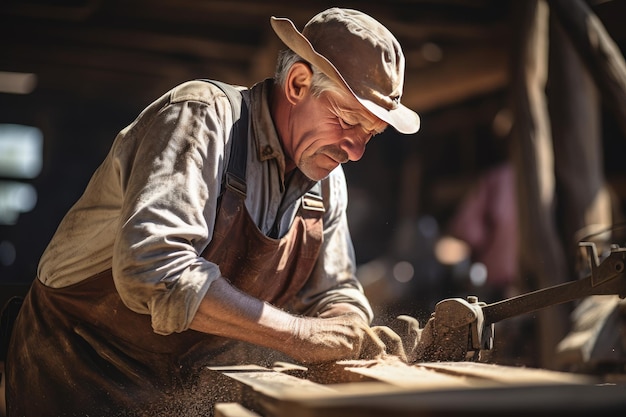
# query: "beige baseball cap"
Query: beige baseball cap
357,51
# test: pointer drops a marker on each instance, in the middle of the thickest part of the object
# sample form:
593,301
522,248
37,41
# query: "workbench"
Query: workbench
393,388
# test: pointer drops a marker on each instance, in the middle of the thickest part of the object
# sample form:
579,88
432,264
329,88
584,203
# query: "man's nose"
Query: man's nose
354,145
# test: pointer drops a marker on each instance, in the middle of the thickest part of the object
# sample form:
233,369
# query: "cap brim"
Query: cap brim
403,119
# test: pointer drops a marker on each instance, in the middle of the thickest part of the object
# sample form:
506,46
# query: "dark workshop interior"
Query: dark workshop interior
73,73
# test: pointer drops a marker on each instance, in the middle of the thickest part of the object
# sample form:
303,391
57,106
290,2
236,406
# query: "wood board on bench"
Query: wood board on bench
392,388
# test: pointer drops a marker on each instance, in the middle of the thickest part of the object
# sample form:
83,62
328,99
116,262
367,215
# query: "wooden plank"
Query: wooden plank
233,410
509,375
276,384
535,400
260,389
398,374
482,389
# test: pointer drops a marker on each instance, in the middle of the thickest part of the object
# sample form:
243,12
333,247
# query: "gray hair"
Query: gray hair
320,82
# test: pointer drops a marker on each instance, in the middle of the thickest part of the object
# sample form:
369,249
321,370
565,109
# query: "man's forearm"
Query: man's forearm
341,332
226,311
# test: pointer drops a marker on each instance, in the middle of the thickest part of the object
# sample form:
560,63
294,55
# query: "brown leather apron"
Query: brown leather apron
79,351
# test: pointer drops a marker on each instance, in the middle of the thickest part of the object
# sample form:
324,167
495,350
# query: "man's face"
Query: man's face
329,130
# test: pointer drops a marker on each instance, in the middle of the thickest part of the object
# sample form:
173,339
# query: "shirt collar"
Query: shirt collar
268,143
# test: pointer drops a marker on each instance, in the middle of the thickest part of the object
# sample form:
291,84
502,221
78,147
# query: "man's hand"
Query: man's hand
405,339
346,336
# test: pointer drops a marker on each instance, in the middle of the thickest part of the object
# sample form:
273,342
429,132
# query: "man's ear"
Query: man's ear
298,82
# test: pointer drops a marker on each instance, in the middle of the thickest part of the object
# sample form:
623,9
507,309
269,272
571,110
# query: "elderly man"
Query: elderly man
216,223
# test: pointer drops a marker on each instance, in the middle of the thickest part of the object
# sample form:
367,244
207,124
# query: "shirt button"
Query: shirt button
267,150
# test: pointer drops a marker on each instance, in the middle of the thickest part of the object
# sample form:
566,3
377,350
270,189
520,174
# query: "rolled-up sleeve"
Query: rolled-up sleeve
170,178
333,279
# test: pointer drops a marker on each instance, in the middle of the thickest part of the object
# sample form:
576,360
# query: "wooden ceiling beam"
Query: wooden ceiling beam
459,76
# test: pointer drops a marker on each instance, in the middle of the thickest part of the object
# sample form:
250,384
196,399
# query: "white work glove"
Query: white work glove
414,340
347,336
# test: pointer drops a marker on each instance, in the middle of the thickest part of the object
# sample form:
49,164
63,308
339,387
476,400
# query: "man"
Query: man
191,243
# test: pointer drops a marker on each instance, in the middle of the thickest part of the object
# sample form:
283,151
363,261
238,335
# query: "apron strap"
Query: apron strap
236,170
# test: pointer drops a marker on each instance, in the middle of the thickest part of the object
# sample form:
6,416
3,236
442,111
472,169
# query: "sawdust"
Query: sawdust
335,372
198,399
